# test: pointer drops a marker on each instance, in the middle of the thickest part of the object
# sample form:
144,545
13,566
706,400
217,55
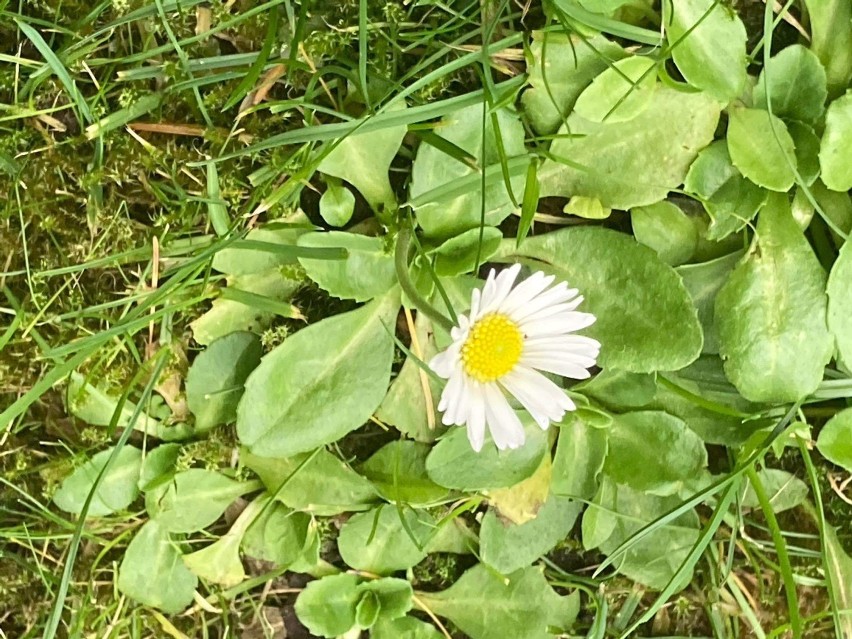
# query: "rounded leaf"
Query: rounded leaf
379,541
116,490
835,152
794,80
835,439
761,148
621,92
337,205
327,606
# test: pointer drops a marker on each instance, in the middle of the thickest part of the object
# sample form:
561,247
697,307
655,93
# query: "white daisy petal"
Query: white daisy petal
543,399
445,362
451,398
476,421
562,323
502,287
558,366
557,296
505,427
524,292
522,316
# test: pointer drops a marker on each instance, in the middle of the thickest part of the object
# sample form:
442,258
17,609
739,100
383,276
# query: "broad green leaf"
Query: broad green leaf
454,464
835,439
653,451
153,573
193,499
771,313
666,229
840,303
379,541
761,148
337,205
835,153
394,596
522,605
839,571
645,318
620,93
278,535
703,282
406,405
453,536
116,490
97,406
602,6
364,159
785,491
520,503
579,459
215,380
655,559
619,390
796,85
598,520
730,200
367,271
398,471
708,43
560,67
327,606
321,383
227,316
837,207
218,563
324,486
158,465
459,254
433,169
831,40
589,208
367,610
507,546
250,260
404,628
807,151
633,163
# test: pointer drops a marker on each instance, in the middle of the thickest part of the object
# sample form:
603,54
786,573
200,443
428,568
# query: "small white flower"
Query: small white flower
513,332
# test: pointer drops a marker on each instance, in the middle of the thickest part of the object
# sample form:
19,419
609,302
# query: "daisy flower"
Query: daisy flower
512,333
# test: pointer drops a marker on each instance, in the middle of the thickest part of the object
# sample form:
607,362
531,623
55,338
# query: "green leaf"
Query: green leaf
398,471
404,628
153,573
327,606
433,169
97,406
454,464
321,383
730,200
379,541
279,535
835,154
633,163
619,390
598,520
227,316
831,40
406,405
666,229
645,318
116,490
507,547
703,282
560,67
708,44
459,254
837,207
840,303
620,93
589,208
364,159
367,271
839,572
324,486
249,260
522,605
394,596
215,380
797,85
654,452
367,610
835,439
158,465
579,459
337,205
807,151
655,559
771,313
785,491
194,499
761,148
218,563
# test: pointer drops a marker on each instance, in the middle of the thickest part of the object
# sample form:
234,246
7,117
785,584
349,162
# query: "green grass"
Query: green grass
93,197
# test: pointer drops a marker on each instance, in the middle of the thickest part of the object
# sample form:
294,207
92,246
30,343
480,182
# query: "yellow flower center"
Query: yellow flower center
493,348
